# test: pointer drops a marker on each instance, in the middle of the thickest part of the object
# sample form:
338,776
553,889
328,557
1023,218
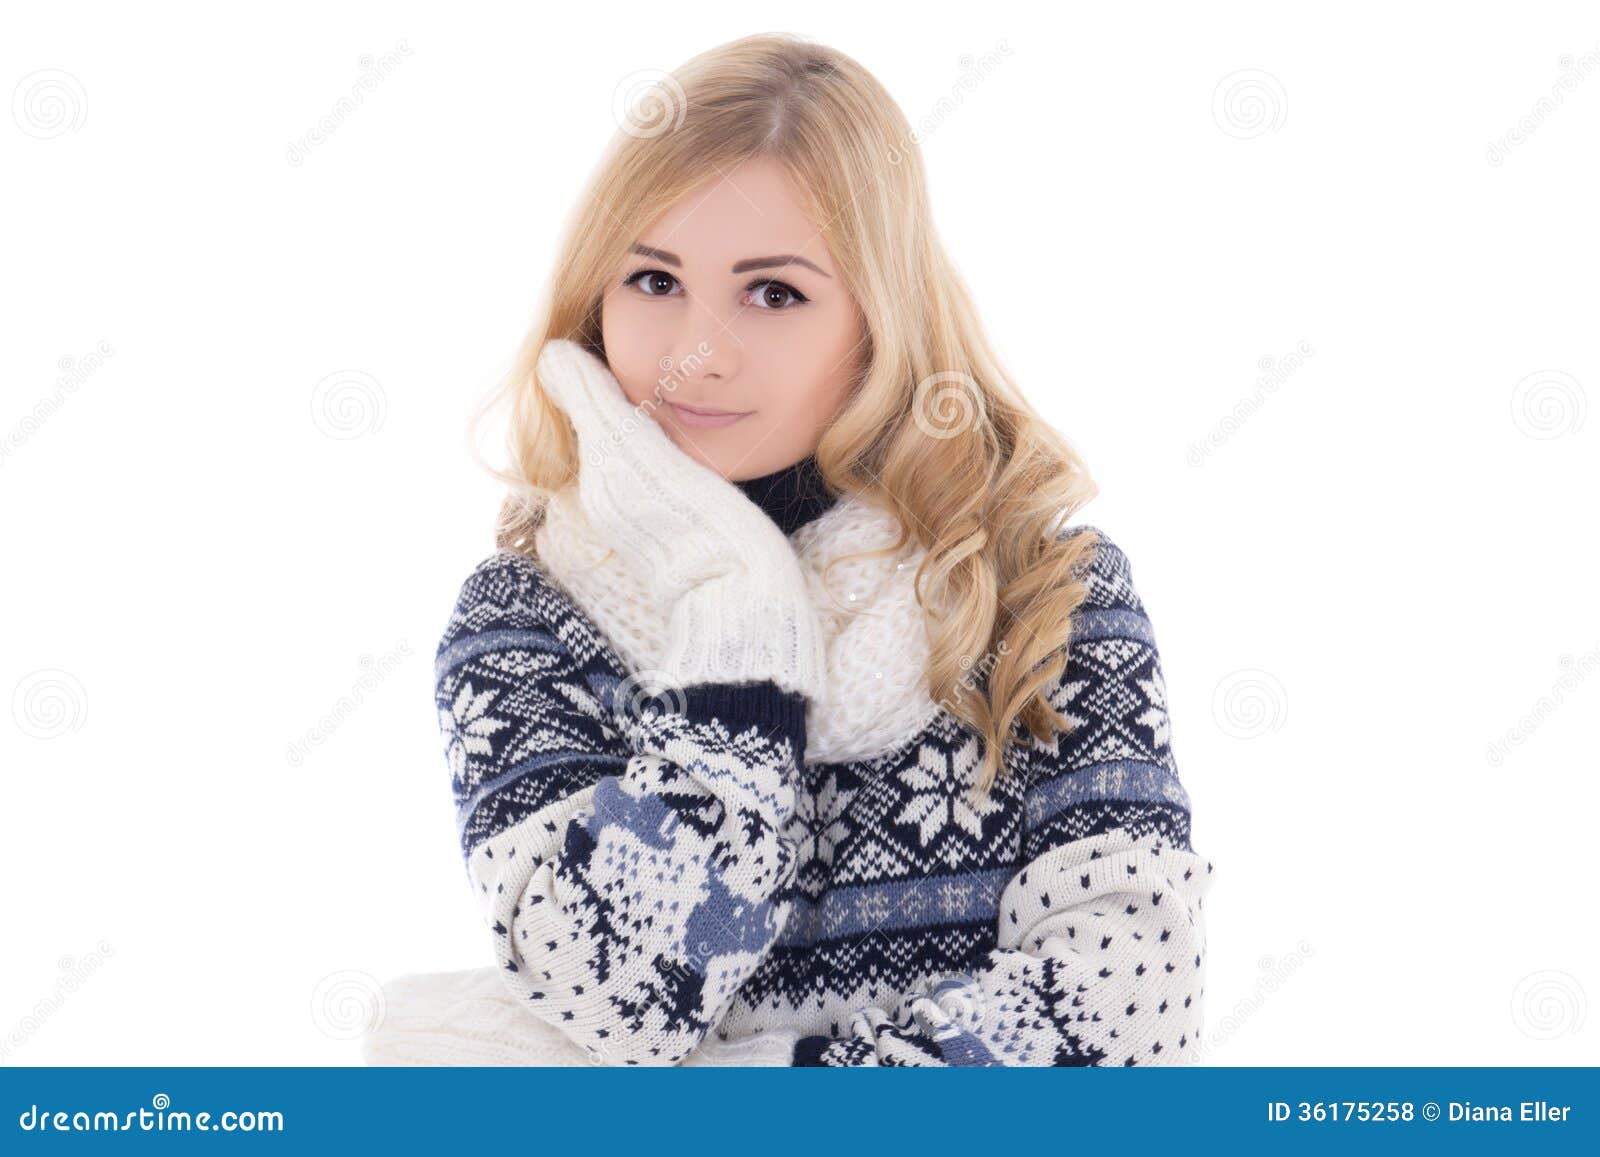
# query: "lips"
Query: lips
703,419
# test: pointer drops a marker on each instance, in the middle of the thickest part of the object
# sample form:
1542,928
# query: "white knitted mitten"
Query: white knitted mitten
741,607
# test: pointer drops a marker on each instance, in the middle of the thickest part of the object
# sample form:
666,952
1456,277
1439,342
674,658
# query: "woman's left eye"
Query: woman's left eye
773,295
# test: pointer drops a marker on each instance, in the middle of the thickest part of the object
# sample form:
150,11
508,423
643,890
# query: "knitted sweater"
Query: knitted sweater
811,879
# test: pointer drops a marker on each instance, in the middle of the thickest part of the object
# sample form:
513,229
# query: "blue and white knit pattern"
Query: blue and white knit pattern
653,871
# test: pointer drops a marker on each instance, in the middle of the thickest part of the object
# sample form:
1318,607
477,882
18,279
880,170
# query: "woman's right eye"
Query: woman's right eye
652,282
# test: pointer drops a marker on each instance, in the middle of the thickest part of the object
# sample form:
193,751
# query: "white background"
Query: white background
1362,576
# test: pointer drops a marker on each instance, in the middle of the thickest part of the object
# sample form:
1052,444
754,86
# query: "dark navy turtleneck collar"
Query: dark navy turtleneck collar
792,496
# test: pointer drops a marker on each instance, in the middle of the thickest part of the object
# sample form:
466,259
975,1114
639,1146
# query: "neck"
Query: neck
792,496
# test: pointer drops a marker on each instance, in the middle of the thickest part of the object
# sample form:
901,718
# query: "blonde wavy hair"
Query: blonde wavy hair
934,430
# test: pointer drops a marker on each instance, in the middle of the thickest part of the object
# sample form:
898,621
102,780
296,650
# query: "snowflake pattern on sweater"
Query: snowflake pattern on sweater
654,869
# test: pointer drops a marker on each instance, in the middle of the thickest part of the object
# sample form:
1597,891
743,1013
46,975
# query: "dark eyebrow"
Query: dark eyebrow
768,262
658,254
738,266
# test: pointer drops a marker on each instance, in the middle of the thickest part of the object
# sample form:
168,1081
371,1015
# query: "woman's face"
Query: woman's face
730,302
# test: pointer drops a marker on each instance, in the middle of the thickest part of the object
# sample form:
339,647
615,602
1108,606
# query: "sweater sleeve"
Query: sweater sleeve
1100,940
626,859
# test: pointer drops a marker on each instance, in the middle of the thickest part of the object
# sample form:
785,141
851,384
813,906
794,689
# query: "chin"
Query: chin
733,453
708,452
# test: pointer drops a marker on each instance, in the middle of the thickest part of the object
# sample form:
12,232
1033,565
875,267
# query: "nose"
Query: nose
705,349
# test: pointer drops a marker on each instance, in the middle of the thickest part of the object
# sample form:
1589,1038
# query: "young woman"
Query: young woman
788,713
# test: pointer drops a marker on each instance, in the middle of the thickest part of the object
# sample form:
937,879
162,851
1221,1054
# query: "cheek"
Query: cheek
632,347
814,359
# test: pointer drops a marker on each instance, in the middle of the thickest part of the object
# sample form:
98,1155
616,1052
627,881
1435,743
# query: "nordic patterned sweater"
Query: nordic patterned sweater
655,871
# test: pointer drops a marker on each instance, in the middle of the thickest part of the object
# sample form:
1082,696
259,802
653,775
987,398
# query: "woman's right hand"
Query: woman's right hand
741,608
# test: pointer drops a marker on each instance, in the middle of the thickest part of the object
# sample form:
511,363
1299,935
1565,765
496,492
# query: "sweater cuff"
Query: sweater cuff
808,1052
740,706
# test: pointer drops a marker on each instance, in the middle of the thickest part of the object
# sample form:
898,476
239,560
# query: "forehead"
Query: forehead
752,210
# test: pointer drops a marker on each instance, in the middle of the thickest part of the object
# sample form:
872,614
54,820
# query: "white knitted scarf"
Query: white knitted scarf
874,629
